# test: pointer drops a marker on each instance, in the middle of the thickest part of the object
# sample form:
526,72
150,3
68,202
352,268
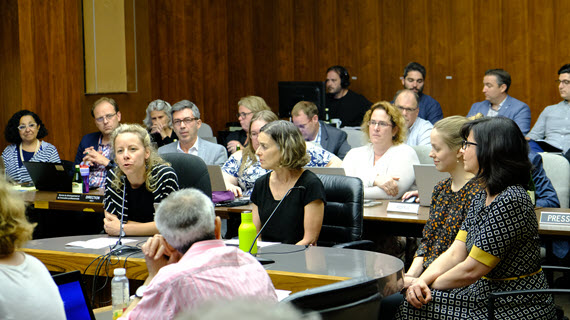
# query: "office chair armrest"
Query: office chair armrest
358,244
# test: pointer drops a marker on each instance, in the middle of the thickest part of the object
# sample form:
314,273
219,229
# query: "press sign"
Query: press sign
557,218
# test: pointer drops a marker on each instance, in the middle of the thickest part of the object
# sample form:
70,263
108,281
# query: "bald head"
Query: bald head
407,102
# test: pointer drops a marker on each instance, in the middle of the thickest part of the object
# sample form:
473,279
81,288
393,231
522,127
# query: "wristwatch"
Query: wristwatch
140,291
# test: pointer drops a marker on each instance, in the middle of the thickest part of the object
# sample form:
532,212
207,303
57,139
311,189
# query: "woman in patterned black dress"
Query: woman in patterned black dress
497,247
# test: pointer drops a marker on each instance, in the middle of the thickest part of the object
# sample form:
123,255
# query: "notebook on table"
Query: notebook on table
427,177
50,176
72,291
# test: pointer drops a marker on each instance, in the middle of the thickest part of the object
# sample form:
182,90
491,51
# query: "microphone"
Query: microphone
265,260
119,247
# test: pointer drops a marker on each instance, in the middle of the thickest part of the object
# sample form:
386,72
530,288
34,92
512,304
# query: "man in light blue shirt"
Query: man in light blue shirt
419,130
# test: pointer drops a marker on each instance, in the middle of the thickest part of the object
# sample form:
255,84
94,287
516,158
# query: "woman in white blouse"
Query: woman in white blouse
385,165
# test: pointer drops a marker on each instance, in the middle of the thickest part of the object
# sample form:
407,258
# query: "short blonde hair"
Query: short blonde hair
396,118
153,160
292,147
253,103
15,229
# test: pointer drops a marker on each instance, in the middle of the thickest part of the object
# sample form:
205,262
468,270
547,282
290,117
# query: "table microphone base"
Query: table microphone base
122,249
264,261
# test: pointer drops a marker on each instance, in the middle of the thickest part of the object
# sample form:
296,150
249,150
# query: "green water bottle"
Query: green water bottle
247,232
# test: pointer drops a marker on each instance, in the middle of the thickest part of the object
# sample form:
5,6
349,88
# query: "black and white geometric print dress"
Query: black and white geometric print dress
507,231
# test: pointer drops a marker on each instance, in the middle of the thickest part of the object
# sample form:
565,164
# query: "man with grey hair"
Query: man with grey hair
419,130
188,264
185,123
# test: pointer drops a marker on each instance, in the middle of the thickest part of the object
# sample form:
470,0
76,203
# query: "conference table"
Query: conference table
296,268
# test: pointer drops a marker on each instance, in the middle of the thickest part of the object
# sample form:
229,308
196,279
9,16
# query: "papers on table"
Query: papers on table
260,244
98,243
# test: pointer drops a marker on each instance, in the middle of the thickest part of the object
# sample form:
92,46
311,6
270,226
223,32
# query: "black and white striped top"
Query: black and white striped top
166,183
16,170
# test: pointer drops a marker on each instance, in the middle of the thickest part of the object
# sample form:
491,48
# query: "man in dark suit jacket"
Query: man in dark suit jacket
306,118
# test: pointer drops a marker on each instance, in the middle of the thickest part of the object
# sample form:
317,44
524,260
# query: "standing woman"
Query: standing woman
386,164
158,122
497,247
140,179
24,131
247,106
300,215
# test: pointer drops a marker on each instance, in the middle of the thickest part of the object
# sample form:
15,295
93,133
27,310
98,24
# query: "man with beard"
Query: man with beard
344,104
414,77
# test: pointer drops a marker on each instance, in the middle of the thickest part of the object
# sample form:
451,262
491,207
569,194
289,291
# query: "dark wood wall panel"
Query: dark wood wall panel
214,52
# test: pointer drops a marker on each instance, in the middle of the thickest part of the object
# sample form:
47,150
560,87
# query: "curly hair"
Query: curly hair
396,118
11,132
248,157
158,105
153,160
15,229
292,147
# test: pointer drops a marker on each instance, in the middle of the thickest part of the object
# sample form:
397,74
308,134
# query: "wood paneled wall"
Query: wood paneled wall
214,52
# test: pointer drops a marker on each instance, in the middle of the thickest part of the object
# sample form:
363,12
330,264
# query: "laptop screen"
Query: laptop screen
75,301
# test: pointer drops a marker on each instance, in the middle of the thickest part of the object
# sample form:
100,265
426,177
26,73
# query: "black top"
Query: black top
157,138
139,203
287,224
350,109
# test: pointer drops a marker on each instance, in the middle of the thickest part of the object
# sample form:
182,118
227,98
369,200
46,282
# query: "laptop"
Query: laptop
216,178
335,171
51,176
427,177
72,291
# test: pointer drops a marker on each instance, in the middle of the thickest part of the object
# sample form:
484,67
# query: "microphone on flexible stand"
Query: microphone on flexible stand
119,247
265,260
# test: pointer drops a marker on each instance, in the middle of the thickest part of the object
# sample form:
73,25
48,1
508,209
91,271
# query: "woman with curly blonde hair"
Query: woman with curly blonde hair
385,165
25,280
141,179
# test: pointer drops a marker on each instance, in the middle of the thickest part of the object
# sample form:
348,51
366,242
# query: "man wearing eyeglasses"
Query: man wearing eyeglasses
498,103
414,79
551,132
419,130
185,123
306,118
95,148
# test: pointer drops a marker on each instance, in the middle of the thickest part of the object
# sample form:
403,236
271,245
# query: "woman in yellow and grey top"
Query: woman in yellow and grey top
497,247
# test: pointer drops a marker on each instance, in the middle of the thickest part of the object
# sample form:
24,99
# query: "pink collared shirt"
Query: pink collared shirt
209,270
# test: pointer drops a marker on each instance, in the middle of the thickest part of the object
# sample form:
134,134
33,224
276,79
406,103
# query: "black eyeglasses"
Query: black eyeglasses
187,121
466,143
243,114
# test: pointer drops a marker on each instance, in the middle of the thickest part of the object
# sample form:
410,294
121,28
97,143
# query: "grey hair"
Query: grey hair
183,104
158,105
185,217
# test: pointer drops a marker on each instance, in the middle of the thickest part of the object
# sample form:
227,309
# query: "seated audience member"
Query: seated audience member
450,200
243,167
140,180
553,125
414,79
545,194
343,103
188,265
247,106
158,122
385,165
24,131
95,148
186,122
299,218
496,84
478,261
306,117
27,291
418,129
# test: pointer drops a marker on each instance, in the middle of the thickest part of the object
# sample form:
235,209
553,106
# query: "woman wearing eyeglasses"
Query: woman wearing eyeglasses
247,106
385,165
23,131
158,122
497,247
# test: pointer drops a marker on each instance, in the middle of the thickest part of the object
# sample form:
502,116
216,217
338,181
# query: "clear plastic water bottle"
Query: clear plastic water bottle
119,292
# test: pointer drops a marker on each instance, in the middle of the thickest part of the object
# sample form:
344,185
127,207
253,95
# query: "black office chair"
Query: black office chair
342,223
357,298
191,170
547,269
